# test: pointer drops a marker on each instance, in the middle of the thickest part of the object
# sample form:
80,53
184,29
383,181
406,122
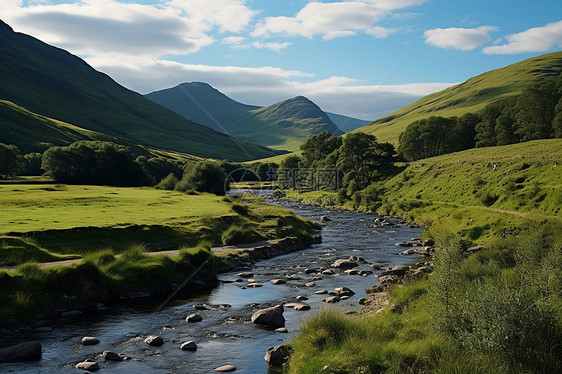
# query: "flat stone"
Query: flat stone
188,346
331,299
90,340
282,329
111,356
311,271
301,298
321,292
278,281
88,366
194,318
226,368
328,272
154,341
301,306
254,285
310,284
351,272
344,264
245,275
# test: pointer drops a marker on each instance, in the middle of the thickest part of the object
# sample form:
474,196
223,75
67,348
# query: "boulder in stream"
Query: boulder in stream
28,351
277,356
188,346
111,356
154,341
269,317
226,368
90,340
194,318
88,366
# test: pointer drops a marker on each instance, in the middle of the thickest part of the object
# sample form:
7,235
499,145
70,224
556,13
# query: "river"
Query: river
227,336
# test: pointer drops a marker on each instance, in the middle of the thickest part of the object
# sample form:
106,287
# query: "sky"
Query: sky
362,58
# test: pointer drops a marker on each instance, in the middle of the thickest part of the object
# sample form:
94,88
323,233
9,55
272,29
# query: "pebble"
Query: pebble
111,356
282,329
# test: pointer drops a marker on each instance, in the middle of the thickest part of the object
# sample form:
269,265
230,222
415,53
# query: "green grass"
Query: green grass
65,219
18,250
468,97
52,82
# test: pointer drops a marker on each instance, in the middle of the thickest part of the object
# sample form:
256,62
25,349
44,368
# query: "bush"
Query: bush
204,176
239,235
168,183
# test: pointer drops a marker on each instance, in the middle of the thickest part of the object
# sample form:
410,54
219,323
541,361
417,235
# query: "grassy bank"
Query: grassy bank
498,310
108,231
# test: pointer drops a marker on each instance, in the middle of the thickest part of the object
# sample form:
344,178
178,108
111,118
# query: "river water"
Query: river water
227,336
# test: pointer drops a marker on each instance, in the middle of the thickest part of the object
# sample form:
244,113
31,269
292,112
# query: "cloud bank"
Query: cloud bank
537,39
459,38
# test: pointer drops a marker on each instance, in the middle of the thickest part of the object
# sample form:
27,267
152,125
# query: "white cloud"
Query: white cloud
537,39
229,15
335,19
459,38
268,85
239,42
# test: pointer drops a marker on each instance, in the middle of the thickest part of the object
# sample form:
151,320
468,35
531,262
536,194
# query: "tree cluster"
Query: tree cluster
535,114
357,159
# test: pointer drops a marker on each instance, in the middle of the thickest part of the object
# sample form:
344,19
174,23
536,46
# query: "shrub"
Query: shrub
204,176
168,183
239,235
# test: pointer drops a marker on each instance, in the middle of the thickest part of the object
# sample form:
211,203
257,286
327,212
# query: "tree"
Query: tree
93,162
535,110
10,164
317,148
204,176
32,164
486,129
364,157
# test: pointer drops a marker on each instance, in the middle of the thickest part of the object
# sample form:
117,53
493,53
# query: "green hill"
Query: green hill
285,125
31,132
57,84
470,96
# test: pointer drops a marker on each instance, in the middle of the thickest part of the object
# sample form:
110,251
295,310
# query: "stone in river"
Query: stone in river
254,285
301,298
88,366
226,368
282,329
277,356
278,281
154,341
302,306
188,346
194,318
310,284
90,340
269,317
111,356
28,351
331,299
321,292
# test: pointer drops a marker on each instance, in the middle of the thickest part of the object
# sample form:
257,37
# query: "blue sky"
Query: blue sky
337,53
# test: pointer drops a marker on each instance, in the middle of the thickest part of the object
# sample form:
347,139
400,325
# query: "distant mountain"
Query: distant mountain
54,83
285,125
468,97
345,123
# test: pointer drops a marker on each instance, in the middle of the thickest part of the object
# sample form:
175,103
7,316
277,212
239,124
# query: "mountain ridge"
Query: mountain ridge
283,125
54,83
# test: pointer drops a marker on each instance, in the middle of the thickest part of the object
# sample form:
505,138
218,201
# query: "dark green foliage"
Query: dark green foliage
204,176
168,183
505,301
10,164
95,163
240,209
32,164
362,157
436,136
157,168
317,148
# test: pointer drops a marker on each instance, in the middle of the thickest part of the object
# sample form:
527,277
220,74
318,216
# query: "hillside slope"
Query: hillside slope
57,84
470,96
284,125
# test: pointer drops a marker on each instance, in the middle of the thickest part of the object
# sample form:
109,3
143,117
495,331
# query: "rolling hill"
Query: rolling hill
56,84
470,96
285,125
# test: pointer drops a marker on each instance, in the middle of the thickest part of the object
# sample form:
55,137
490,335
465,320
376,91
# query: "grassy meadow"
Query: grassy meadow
498,310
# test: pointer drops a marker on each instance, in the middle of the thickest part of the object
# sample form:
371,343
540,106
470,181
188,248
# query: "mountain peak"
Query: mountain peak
5,28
